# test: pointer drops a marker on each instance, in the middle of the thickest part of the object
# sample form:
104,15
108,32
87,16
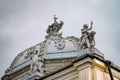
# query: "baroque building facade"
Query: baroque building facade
59,58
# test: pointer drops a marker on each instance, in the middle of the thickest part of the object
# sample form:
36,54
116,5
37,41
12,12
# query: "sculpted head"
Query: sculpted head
93,33
85,26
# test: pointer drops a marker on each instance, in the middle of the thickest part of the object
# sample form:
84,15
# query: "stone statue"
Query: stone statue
36,64
84,38
55,27
91,40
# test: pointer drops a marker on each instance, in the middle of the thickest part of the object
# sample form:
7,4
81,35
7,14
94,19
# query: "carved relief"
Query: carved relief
29,52
59,43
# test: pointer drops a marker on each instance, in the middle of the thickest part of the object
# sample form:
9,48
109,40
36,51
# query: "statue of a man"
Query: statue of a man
85,34
36,65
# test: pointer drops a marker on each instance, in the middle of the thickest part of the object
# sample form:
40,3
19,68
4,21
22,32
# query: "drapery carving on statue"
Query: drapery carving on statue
55,27
36,62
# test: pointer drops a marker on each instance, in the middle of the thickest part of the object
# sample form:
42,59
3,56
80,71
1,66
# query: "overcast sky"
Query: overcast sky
23,23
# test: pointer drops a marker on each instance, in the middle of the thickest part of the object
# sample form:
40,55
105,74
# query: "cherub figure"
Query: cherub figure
85,34
92,40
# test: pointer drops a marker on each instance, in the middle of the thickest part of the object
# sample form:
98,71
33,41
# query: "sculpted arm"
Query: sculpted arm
90,26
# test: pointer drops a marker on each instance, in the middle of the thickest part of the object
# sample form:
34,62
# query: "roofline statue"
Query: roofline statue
87,39
55,27
91,40
36,64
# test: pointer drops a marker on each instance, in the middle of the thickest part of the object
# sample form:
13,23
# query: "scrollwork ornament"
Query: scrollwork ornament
60,44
